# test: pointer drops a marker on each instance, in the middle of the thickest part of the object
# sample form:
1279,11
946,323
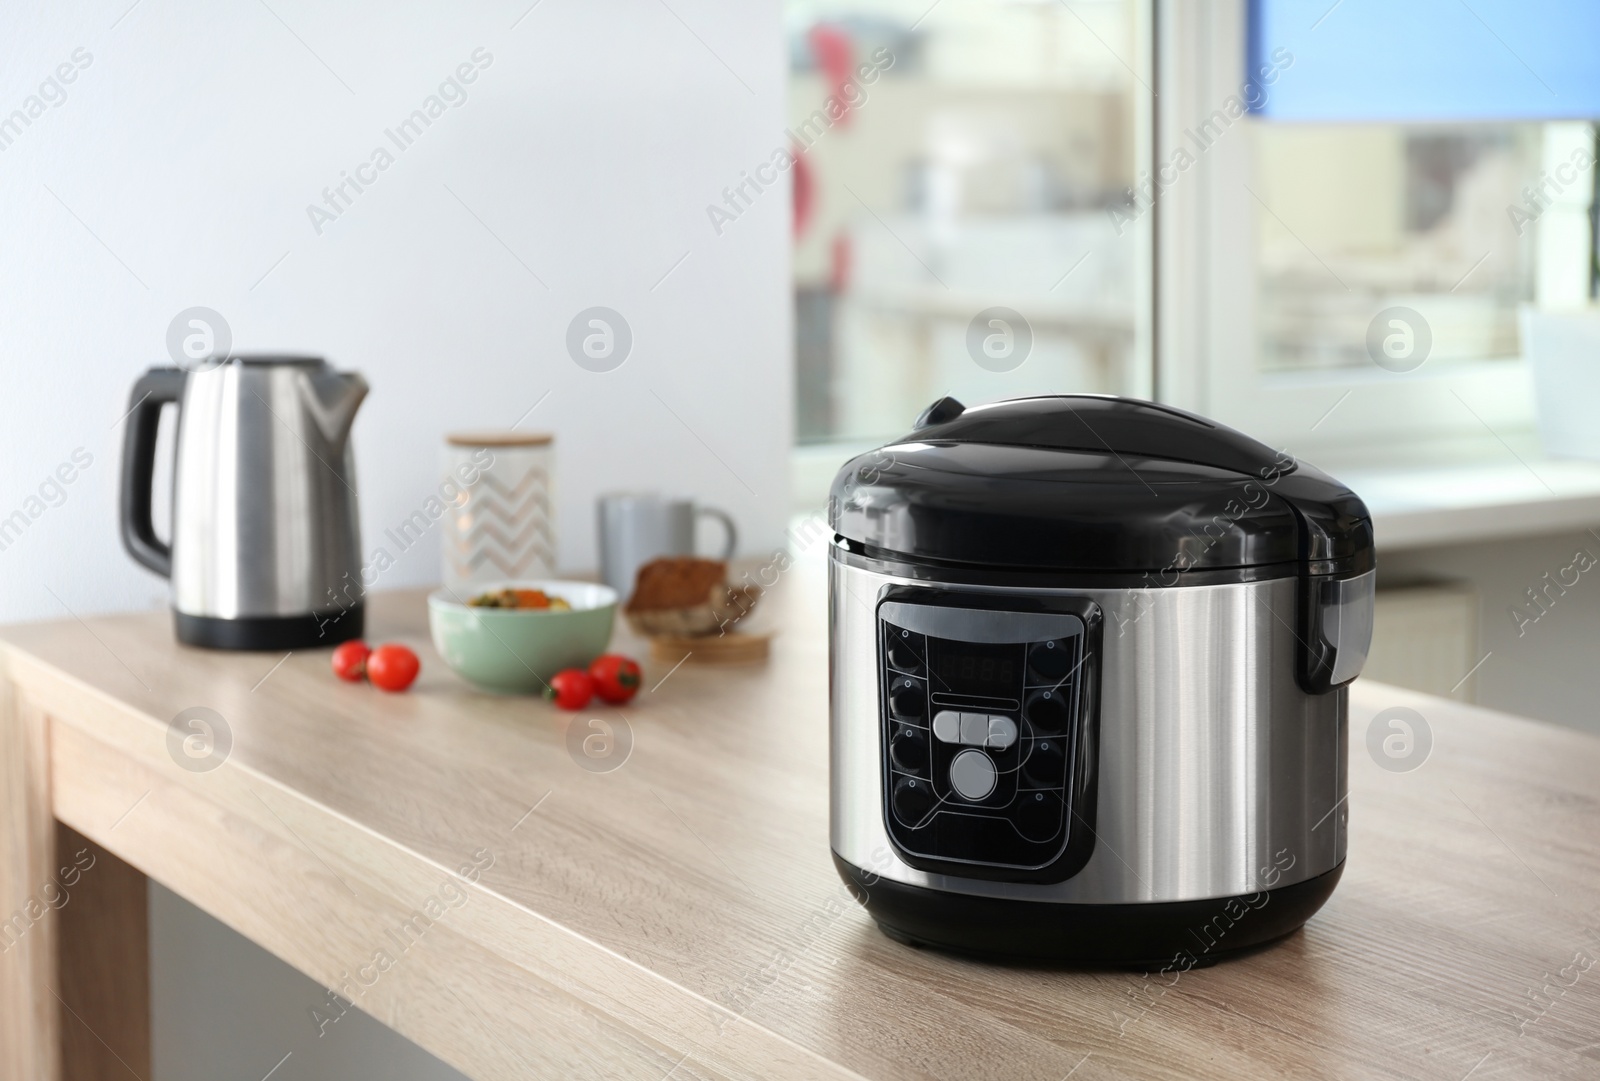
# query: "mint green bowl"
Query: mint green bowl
516,651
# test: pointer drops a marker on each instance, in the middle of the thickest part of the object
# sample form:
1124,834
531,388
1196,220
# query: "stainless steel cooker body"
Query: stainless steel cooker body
1211,773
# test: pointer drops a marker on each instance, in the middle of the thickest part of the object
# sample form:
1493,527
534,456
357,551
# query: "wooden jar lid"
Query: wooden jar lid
499,439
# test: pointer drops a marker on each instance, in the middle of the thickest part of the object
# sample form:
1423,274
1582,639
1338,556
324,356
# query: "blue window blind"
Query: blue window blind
1421,60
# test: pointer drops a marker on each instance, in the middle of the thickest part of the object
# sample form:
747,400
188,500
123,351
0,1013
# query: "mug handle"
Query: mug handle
722,516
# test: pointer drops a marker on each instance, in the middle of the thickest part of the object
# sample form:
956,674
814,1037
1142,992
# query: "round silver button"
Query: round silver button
972,775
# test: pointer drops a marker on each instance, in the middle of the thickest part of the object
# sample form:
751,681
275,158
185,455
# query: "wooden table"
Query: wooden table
679,916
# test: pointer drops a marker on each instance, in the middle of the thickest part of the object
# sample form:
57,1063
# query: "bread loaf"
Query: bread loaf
675,582
689,597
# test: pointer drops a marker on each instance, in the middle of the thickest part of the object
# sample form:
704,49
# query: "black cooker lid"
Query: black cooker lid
1081,482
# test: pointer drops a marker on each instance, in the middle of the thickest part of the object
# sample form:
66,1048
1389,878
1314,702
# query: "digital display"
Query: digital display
980,669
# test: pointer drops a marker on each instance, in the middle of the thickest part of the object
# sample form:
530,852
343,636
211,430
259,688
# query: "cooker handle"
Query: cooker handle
946,408
1335,629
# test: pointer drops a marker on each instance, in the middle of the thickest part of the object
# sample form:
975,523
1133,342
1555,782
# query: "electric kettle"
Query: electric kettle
266,548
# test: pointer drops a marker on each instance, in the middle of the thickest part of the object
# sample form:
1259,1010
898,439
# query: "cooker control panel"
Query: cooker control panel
983,729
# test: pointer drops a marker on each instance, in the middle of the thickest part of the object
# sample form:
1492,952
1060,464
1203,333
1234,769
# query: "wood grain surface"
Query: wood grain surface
647,891
736,647
29,1014
103,964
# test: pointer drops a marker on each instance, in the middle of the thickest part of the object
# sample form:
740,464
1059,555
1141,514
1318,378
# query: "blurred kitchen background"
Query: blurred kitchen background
1343,161
977,171
1340,162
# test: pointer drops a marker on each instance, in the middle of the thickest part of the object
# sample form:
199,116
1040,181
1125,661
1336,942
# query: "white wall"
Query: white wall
191,145
182,161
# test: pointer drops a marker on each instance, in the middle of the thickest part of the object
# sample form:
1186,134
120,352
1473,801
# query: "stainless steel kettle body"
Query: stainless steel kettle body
266,547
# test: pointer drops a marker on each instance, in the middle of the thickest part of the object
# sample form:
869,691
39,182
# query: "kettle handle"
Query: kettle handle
155,388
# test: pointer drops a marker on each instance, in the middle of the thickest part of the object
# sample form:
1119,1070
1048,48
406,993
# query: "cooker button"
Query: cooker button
974,729
947,726
1044,764
972,775
902,651
913,800
909,749
1050,661
1002,733
1048,713
907,699
1038,815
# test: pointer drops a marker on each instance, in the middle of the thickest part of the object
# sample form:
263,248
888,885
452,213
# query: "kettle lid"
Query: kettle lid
1081,482
264,359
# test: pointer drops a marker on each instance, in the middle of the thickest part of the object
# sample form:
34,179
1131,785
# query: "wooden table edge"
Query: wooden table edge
59,732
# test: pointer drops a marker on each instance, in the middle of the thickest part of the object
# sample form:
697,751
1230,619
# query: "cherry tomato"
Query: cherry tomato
392,667
350,661
616,678
570,688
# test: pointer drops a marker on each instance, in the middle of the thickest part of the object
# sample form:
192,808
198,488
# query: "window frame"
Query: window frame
1206,342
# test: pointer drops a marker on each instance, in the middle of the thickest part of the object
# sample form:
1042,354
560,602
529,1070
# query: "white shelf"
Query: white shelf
1432,505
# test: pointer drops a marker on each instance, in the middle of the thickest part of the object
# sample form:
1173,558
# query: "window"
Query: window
1334,272
961,222
1390,216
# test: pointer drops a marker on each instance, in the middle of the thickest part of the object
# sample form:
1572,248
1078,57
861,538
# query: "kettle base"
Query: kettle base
1170,935
271,632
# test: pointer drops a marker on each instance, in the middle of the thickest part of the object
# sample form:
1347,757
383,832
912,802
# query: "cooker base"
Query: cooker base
1173,935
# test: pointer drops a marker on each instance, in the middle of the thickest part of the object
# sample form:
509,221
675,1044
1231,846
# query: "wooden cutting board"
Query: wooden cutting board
733,648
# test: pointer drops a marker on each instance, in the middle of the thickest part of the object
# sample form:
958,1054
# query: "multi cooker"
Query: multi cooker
1088,672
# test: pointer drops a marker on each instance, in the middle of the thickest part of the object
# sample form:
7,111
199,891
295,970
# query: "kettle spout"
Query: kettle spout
333,398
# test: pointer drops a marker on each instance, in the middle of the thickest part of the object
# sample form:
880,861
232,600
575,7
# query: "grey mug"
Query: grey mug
636,527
